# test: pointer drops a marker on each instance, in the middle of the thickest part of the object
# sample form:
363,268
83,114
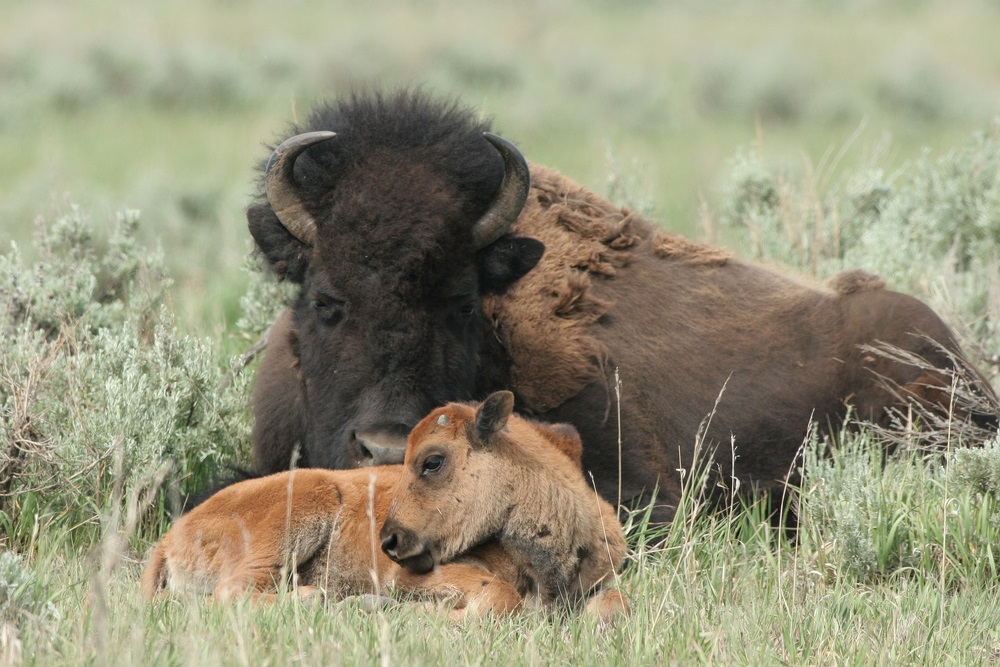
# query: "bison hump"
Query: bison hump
544,319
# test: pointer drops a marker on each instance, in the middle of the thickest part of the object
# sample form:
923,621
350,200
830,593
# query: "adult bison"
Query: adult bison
431,270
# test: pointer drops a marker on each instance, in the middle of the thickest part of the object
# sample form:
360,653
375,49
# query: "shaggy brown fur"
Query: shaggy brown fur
543,318
687,325
474,473
316,530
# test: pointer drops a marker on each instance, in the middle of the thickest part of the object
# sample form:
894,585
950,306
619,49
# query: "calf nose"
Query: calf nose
382,445
389,544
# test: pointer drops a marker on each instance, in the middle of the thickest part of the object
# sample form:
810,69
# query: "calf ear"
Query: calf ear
493,414
505,261
286,255
565,438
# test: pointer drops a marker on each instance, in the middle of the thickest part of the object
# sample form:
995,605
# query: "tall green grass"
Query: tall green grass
719,589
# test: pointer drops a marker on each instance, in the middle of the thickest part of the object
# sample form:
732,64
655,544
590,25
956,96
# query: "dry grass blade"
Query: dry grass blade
971,418
244,359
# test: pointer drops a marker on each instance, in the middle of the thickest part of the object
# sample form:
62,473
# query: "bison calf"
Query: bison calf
480,473
316,529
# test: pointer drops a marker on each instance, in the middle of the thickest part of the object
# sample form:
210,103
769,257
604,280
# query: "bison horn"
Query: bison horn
280,186
504,210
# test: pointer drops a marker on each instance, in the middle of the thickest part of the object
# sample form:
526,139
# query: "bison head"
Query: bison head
394,217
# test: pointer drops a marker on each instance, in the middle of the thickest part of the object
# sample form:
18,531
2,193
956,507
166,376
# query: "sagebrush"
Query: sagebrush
93,367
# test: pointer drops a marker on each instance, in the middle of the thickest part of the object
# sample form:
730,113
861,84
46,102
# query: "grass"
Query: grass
718,590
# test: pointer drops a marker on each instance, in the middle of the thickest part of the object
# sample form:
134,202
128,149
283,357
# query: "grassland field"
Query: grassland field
749,124
166,107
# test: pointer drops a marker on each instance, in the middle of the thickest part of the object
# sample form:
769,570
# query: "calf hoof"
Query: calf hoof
313,594
608,606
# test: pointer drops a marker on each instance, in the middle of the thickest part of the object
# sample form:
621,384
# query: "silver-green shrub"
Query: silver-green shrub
978,470
263,298
98,387
23,597
851,505
866,517
932,229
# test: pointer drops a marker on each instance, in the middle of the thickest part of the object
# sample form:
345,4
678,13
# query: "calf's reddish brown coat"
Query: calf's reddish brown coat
314,528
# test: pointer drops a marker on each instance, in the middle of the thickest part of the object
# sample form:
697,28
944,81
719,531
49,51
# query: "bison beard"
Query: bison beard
406,304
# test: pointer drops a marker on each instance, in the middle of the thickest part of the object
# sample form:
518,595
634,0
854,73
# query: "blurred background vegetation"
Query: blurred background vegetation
164,107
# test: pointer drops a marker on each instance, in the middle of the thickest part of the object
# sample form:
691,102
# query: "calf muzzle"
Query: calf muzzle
401,546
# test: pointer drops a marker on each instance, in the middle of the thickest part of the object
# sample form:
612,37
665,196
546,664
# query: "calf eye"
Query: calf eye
467,310
432,464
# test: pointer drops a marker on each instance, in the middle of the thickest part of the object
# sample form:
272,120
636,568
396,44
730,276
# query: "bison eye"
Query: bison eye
467,310
327,309
432,464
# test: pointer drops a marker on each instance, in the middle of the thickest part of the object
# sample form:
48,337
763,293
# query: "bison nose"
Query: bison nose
382,445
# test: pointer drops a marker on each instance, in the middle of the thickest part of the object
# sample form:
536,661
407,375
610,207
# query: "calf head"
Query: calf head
457,486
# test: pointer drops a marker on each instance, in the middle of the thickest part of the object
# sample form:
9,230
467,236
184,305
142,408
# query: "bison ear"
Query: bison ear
505,261
286,255
493,414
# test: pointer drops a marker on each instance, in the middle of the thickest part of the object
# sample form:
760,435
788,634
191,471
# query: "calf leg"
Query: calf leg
473,591
264,567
